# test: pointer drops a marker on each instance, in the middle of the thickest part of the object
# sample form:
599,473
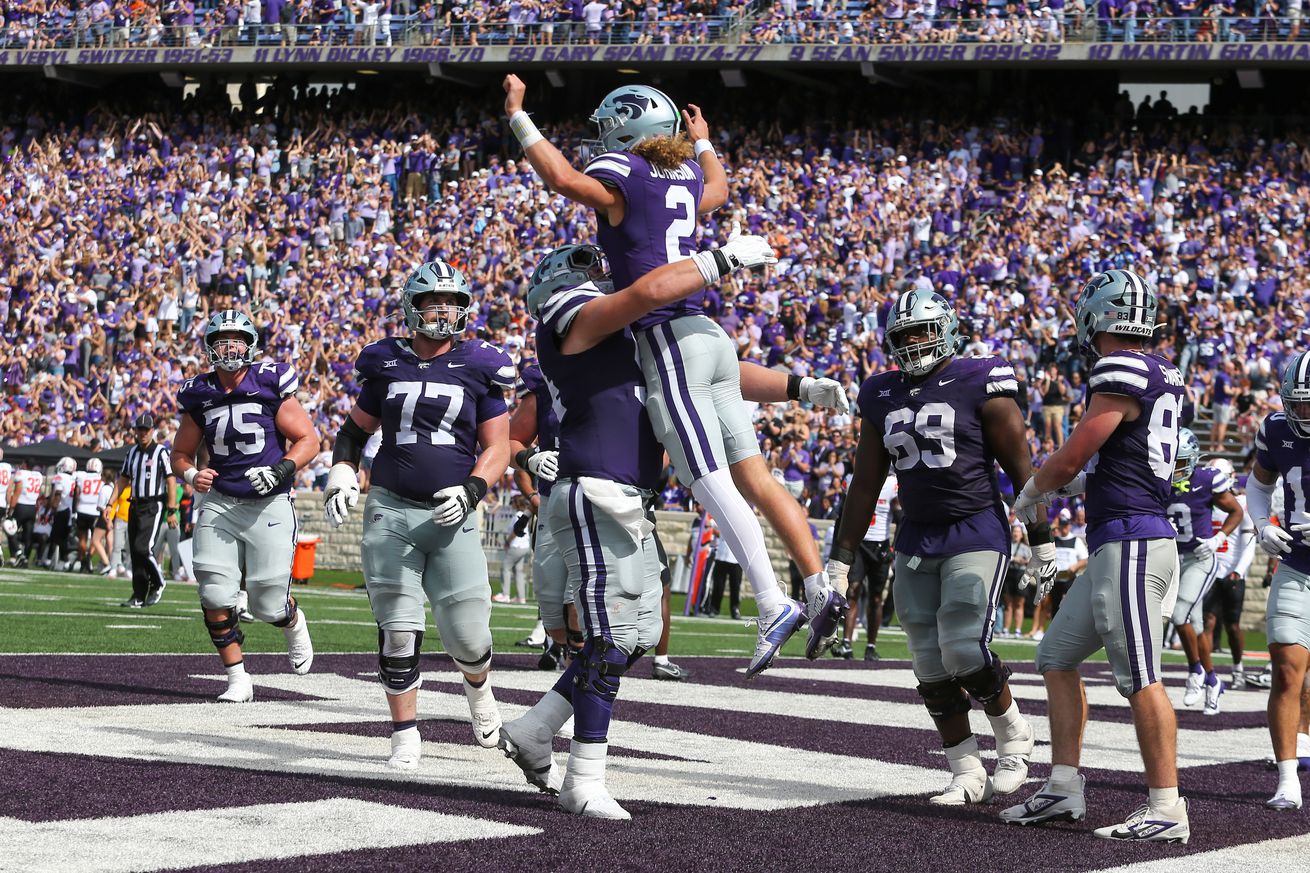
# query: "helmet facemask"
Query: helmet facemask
437,315
230,350
1298,416
919,346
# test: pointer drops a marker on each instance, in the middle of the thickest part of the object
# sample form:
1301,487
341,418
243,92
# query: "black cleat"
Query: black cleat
871,653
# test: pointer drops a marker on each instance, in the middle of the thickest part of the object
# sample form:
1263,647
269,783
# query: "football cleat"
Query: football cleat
773,633
1012,761
871,652
1281,802
134,603
843,649
669,671
973,786
406,750
1051,803
1152,825
300,649
527,743
583,791
550,658
1263,679
239,689
486,718
825,613
1238,680
1192,690
155,595
1212,695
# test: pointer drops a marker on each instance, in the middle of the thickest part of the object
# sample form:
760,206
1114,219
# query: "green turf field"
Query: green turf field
68,613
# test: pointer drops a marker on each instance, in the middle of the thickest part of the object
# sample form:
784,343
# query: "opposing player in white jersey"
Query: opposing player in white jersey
1229,590
25,497
61,504
439,402
90,497
257,436
647,191
6,479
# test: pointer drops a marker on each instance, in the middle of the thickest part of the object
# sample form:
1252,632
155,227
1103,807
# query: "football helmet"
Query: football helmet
1295,392
437,277
630,115
1223,465
66,465
9,526
231,358
1189,452
564,267
1116,301
93,465
916,312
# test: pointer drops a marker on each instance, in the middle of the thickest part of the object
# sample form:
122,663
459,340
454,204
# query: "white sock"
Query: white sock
815,584
478,694
963,757
1287,777
238,669
1163,798
739,526
661,659
1007,724
1063,774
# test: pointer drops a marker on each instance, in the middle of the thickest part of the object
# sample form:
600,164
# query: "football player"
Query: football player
89,486
1128,441
25,497
1282,449
1229,590
256,436
439,402
609,464
943,421
62,494
1197,492
872,565
647,192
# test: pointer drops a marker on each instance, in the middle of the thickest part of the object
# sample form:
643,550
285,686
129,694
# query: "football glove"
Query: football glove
827,393
544,465
453,503
265,480
1025,506
1041,572
837,575
1077,485
1275,541
1208,548
341,494
748,250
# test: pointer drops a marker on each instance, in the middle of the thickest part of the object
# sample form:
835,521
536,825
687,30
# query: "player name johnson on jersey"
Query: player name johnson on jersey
240,426
1190,505
430,410
950,502
1280,450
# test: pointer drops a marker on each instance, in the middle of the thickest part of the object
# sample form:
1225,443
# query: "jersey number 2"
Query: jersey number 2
681,228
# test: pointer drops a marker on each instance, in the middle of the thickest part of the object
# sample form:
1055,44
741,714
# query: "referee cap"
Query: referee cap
144,421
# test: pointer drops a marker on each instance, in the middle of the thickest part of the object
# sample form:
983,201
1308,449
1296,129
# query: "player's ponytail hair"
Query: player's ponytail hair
665,152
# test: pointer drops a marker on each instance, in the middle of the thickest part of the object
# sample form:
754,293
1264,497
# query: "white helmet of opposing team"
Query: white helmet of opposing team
93,465
9,526
66,465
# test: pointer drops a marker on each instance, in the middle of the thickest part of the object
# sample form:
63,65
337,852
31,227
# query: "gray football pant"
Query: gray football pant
549,575
1195,580
257,534
616,580
514,572
120,555
693,395
407,556
947,607
1115,604
1287,613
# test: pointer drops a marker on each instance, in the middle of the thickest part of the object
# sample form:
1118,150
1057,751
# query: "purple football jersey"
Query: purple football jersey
532,381
240,426
933,431
658,227
1279,450
430,410
1190,505
1128,480
598,394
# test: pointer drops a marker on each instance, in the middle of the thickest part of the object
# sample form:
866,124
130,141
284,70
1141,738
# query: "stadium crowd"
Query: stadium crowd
122,230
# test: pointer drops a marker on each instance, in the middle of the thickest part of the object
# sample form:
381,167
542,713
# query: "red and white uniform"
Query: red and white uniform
29,486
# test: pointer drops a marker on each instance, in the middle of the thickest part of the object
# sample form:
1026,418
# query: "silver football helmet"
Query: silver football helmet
1189,453
1116,301
437,277
1295,392
231,357
93,465
928,313
633,114
67,466
563,267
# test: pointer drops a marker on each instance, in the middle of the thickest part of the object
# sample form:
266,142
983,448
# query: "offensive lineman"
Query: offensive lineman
943,421
1131,429
245,414
436,399
647,192
1196,493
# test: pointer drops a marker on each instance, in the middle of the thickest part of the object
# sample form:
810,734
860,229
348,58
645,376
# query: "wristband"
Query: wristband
702,146
843,556
713,265
190,476
477,487
521,459
286,468
794,390
1039,534
525,130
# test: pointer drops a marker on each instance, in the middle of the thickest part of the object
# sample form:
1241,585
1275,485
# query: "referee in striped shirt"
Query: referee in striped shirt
153,503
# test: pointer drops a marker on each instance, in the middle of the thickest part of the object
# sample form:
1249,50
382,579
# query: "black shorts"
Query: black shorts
873,561
1225,599
1013,577
87,521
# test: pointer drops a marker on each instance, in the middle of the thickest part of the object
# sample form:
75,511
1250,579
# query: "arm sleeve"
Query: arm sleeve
1259,498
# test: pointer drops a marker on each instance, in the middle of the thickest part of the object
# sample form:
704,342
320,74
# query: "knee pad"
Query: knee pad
603,665
398,659
943,699
986,685
641,650
226,632
477,665
290,616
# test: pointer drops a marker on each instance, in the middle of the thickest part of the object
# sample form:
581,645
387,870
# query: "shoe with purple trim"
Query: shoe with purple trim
773,633
826,614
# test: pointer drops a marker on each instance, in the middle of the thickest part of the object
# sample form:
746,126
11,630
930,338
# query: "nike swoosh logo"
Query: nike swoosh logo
252,393
466,530
946,382
453,366
274,523
299,664
487,735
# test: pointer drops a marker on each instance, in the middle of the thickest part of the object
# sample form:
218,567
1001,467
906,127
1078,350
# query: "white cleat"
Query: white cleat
1012,760
485,715
597,804
239,689
406,751
1192,690
300,649
1212,695
1052,802
1284,801
528,744
973,786
1152,825
584,792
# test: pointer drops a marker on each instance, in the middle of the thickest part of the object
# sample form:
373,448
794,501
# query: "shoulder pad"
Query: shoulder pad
371,358
611,164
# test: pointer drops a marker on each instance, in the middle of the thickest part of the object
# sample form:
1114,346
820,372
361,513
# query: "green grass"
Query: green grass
68,613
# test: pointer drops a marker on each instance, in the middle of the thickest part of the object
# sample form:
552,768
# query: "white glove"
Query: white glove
544,465
837,573
1275,541
746,251
1025,506
1208,548
452,505
827,393
265,479
1077,485
1041,572
341,494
